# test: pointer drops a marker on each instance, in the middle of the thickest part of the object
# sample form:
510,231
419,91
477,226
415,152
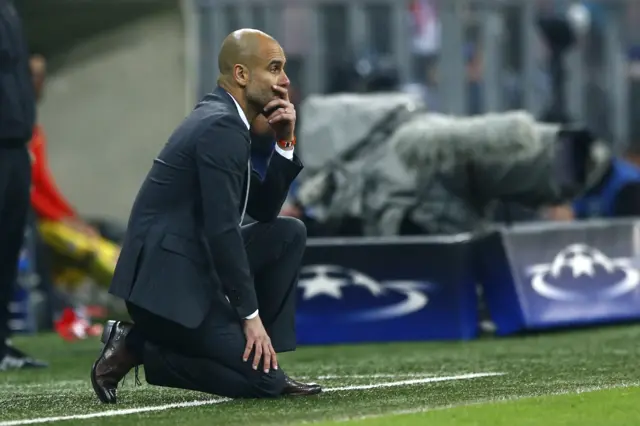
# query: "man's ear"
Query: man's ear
241,74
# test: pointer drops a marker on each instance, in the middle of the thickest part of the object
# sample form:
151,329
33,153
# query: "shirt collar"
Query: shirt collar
240,111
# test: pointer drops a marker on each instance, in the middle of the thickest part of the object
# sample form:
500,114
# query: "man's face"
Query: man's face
266,71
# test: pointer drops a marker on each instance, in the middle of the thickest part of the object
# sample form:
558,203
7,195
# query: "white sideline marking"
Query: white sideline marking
124,412
368,376
410,382
65,383
480,402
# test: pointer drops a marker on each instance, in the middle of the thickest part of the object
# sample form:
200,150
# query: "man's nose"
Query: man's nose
284,81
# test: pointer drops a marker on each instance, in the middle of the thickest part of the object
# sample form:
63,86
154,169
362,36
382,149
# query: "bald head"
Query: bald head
251,64
242,47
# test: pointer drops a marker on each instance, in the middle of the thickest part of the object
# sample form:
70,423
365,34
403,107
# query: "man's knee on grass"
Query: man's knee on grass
261,384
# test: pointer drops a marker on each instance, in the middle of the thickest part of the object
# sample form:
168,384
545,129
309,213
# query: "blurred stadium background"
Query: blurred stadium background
162,54
121,74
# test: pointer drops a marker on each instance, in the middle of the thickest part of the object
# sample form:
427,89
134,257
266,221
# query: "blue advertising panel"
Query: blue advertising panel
382,290
564,275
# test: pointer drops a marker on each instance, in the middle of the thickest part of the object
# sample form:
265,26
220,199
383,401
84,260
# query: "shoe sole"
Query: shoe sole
106,335
299,394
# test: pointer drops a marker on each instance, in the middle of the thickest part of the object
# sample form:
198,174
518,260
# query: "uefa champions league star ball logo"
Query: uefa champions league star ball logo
354,296
581,272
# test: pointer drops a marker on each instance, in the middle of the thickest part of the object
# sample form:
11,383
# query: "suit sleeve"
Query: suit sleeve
222,154
269,194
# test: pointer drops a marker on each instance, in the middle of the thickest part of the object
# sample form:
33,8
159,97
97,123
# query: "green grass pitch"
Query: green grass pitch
581,378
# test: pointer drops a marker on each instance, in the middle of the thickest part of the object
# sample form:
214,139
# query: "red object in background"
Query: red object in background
72,326
46,199
95,311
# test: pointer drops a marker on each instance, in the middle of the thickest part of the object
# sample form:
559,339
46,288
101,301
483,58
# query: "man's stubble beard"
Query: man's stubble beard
257,100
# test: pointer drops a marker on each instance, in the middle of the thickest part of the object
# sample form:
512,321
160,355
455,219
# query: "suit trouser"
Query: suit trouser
15,182
209,358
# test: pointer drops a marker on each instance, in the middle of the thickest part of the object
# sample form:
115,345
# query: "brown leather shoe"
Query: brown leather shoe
295,388
114,362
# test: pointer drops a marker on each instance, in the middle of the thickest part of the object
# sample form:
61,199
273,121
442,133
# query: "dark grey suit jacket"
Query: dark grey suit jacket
183,246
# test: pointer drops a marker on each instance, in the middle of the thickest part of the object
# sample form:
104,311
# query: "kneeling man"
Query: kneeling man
213,302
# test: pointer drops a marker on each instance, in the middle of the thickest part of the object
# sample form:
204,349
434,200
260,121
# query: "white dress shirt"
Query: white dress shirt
288,154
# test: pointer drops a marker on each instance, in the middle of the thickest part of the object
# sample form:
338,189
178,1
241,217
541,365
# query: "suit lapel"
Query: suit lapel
226,98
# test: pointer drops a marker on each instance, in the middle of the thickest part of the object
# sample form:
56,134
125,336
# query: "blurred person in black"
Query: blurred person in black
17,116
365,74
614,192
615,195
617,192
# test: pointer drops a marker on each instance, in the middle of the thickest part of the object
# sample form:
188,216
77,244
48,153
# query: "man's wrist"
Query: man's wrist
252,316
286,143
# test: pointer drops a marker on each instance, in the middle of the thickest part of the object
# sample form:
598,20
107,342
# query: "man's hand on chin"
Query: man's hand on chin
282,115
260,126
